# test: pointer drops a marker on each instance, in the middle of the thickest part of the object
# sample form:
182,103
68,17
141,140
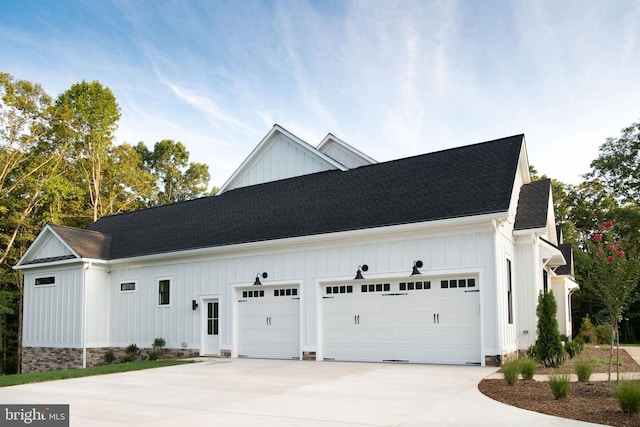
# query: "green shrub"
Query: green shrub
603,334
549,347
560,385
109,357
628,395
584,369
127,359
572,349
154,355
587,330
131,353
511,372
527,368
158,343
580,343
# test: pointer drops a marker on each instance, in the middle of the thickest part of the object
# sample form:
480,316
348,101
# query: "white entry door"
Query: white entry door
211,340
269,322
416,321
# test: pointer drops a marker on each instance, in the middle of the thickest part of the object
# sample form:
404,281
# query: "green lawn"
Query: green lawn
36,377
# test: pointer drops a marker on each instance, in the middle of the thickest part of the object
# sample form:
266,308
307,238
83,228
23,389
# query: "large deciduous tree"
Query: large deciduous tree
618,164
178,179
91,118
613,276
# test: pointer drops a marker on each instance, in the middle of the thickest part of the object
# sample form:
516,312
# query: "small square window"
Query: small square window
288,292
418,285
410,286
343,289
294,291
336,290
444,284
403,286
372,288
387,287
349,289
453,283
328,289
276,292
462,283
261,293
244,294
363,288
427,285
379,287
471,283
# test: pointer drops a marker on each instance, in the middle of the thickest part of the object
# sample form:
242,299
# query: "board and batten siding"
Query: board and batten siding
284,159
344,156
97,303
136,317
505,333
53,247
53,313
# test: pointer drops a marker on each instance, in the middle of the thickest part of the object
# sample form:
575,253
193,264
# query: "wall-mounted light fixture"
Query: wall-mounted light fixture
361,268
257,282
416,266
194,304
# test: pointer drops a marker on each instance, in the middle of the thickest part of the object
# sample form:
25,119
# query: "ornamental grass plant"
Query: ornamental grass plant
628,395
560,385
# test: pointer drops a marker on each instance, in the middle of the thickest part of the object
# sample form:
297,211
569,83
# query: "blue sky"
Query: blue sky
391,78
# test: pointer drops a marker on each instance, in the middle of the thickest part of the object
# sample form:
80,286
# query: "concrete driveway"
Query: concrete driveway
250,392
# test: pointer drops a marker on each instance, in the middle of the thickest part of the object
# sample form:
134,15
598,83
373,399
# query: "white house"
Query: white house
311,253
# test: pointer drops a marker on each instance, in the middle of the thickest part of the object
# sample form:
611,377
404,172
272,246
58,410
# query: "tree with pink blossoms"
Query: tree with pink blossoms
613,278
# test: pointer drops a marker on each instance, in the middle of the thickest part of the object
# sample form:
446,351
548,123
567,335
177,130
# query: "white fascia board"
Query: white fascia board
331,137
264,143
523,162
391,232
62,262
530,231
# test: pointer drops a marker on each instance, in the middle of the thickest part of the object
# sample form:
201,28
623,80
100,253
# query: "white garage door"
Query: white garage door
428,321
269,323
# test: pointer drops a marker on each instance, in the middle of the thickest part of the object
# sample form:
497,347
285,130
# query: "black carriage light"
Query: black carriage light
361,268
257,282
194,304
416,266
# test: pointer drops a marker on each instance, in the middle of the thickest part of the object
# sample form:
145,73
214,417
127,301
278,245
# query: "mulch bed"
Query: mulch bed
592,401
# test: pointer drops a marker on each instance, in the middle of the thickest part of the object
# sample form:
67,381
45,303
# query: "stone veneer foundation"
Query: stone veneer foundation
40,359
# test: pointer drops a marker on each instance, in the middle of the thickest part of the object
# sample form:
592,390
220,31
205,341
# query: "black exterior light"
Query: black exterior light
194,304
257,282
416,266
361,268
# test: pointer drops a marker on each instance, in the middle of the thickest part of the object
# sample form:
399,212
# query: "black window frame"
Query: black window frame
509,293
164,295
45,281
124,284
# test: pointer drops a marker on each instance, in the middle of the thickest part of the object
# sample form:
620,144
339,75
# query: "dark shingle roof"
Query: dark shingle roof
567,253
471,180
87,243
533,205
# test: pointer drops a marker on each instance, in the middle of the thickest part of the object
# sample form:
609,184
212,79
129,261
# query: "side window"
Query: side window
127,286
164,287
42,281
509,293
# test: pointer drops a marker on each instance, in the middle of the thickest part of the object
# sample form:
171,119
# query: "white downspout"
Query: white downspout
84,314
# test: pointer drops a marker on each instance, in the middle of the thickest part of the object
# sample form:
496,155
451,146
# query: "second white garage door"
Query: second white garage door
269,323
422,321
